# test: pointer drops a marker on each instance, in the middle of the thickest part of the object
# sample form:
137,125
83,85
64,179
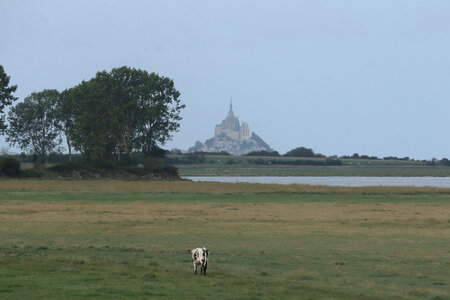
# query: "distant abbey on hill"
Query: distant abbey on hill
233,138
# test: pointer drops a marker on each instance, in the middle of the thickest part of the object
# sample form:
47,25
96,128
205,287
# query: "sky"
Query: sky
341,77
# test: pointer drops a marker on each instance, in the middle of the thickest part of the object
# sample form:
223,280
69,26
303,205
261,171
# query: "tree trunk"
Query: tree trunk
69,146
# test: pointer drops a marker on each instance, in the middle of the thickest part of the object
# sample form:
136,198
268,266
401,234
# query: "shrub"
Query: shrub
126,160
171,170
153,164
263,153
333,162
66,167
31,173
260,161
9,166
103,164
195,158
157,165
136,171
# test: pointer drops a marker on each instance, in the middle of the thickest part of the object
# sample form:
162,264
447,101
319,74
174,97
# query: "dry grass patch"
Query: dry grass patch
213,188
299,211
285,215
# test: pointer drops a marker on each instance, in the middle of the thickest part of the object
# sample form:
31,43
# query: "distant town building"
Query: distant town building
232,137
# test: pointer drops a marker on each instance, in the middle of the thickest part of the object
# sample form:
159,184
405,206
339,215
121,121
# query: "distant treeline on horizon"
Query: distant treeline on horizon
303,152
297,156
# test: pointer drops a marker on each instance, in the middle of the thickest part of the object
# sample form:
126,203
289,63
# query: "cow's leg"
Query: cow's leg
195,269
203,269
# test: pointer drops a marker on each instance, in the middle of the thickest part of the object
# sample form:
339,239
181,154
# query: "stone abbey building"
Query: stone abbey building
230,127
232,137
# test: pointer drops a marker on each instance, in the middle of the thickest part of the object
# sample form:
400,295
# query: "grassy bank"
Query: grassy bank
343,170
115,239
301,166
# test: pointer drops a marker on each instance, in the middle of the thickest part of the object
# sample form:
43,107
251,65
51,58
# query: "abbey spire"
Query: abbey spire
231,107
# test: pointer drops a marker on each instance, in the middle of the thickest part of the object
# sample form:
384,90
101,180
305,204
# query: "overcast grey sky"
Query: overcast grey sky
340,77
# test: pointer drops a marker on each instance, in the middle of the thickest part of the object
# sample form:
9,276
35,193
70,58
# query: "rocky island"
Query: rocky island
232,137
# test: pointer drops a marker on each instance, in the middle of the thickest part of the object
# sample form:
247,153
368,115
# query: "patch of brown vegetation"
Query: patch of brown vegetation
295,213
117,186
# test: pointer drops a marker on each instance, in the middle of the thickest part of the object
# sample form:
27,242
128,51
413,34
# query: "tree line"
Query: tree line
107,117
299,152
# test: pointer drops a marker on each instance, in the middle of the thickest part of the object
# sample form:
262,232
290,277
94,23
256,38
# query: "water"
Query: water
353,181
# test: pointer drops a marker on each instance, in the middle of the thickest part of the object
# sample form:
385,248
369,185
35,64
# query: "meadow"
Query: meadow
245,166
120,240
344,170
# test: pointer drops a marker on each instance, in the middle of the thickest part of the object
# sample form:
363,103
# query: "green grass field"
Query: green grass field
122,240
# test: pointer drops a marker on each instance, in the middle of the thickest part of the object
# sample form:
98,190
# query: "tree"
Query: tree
355,156
6,97
122,90
122,111
444,162
34,124
92,126
300,152
66,118
158,111
263,153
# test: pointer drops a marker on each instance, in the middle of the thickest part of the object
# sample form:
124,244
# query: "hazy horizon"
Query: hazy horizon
340,77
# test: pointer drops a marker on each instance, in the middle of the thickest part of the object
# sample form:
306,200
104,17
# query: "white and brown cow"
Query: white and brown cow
200,258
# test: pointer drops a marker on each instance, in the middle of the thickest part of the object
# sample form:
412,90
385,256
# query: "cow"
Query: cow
200,258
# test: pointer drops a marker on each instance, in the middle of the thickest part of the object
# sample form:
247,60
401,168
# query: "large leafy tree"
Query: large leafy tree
122,111
34,124
6,96
159,109
120,93
66,118
91,134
